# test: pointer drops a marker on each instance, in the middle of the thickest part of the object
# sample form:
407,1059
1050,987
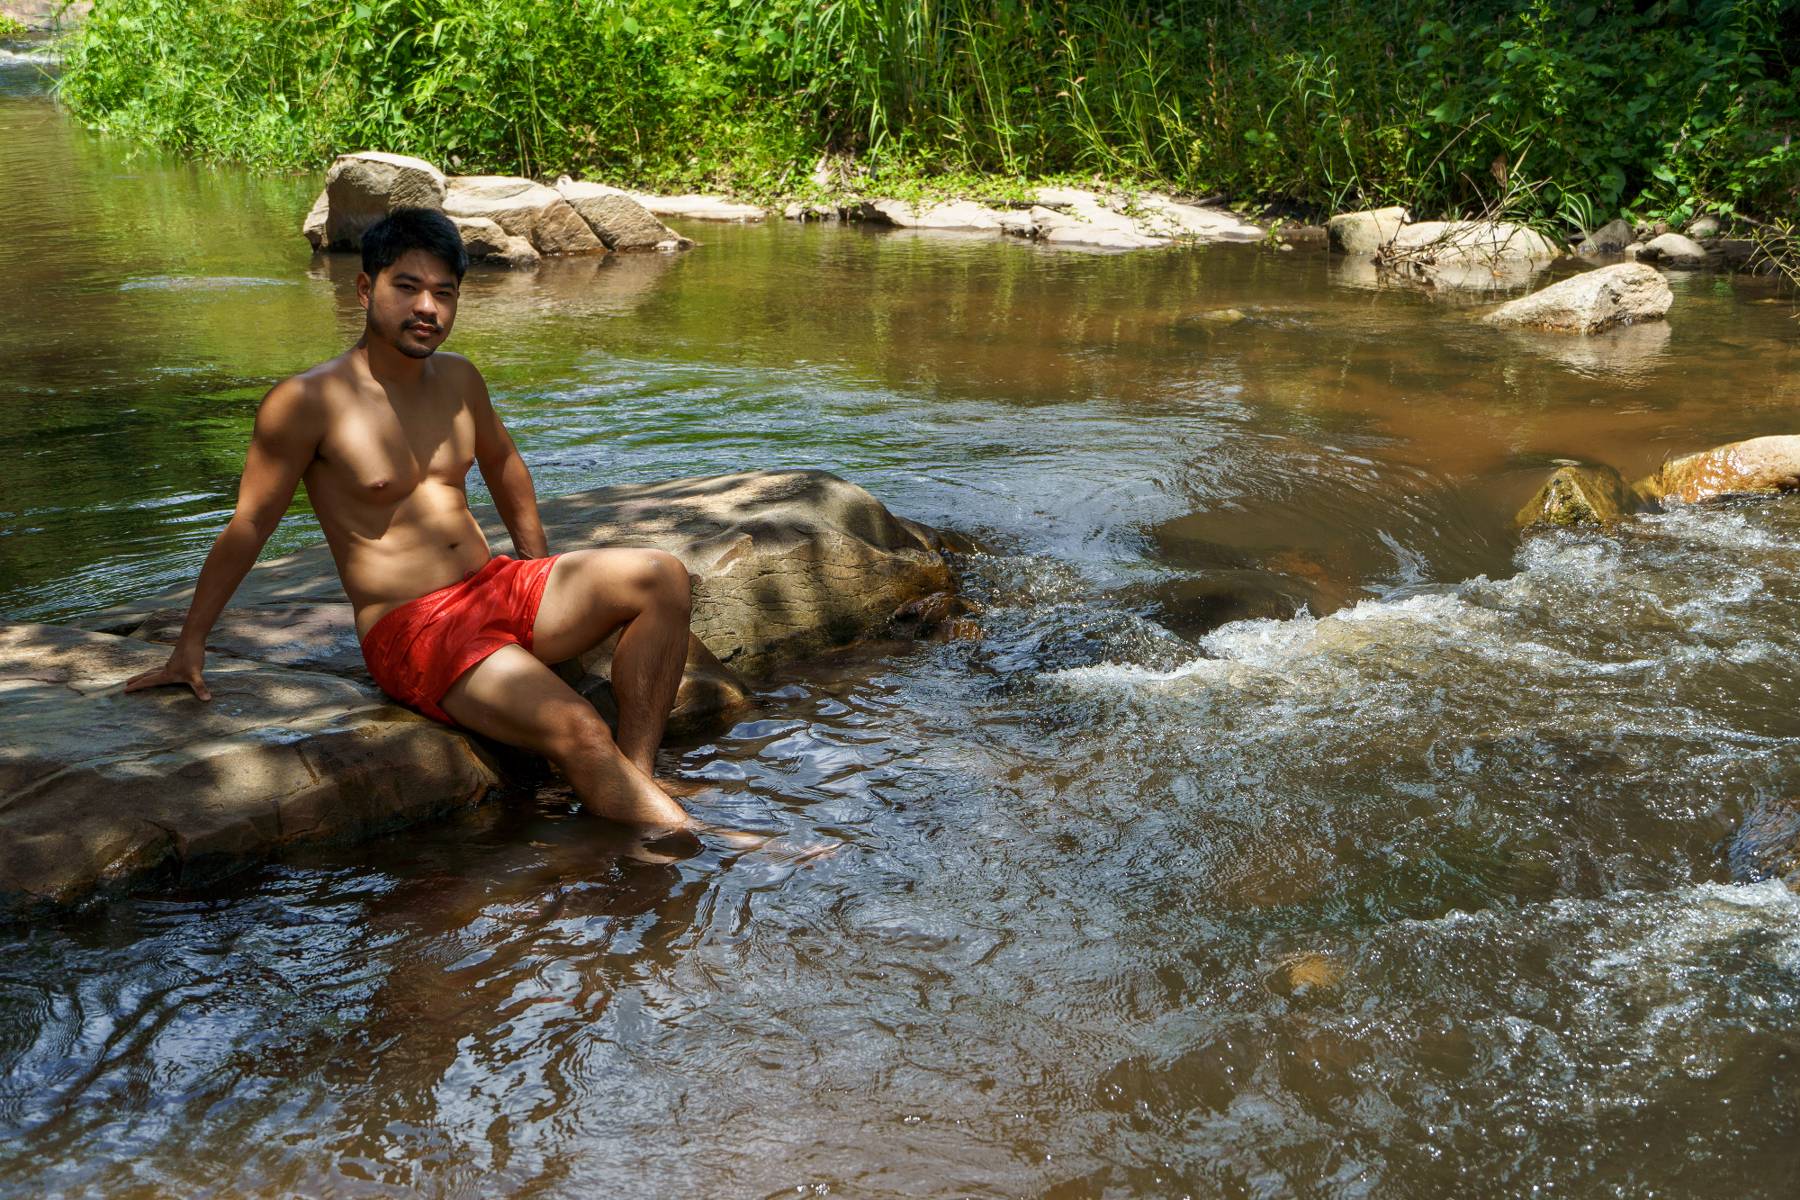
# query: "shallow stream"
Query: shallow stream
1418,891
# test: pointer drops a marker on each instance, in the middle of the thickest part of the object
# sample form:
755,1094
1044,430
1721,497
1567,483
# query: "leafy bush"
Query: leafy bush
1661,107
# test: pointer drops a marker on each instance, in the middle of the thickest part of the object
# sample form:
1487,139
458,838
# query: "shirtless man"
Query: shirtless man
383,437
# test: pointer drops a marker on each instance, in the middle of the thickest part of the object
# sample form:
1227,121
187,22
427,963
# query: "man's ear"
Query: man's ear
364,286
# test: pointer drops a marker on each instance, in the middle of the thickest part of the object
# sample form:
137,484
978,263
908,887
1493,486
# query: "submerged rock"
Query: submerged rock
1767,844
1756,466
102,791
1593,301
1673,250
362,188
1364,233
1579,496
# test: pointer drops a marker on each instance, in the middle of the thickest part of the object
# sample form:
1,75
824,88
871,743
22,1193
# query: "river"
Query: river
1407,880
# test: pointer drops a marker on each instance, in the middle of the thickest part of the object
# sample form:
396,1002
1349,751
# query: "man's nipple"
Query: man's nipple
378,485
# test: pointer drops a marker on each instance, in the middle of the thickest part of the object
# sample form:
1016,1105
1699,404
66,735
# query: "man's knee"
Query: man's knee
662,580
575,733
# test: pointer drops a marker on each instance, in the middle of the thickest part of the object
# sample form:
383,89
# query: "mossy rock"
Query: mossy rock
1577,496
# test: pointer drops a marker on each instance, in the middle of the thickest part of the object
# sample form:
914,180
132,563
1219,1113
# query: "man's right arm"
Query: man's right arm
289,427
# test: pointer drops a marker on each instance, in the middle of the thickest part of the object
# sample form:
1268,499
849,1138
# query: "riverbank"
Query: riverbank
1576,116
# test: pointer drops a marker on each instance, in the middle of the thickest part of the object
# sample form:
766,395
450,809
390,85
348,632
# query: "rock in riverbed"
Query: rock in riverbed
1756,466
1673,250
1593,301
1579,496
1767,844
102,790
360,189
1365,233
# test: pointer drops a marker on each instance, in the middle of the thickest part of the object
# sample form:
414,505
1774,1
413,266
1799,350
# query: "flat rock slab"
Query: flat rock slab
102,791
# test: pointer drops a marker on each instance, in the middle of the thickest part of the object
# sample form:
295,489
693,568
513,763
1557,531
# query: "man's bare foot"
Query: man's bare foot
678,788
737,839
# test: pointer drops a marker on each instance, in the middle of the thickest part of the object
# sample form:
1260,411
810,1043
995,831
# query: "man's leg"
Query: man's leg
512,697
589,594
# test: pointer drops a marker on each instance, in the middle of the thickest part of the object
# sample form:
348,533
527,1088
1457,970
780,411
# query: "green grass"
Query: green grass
1662,108
11,28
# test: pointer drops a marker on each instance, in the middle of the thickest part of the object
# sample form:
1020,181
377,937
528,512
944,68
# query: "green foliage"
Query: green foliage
1665,107
11,27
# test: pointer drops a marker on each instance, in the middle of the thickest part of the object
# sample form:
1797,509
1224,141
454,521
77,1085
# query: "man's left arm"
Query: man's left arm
503,469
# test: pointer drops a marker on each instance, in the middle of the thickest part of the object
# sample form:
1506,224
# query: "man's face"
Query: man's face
412,304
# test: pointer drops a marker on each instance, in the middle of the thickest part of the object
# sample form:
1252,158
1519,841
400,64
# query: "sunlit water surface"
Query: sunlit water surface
1420,890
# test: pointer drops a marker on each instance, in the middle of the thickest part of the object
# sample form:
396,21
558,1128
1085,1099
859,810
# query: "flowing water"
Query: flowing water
1290,828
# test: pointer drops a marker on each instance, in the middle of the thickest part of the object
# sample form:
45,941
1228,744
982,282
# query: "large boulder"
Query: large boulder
700,208
784,563
524,209
362,188
1364,233
1623,294
1575,496
619,221
1757,466
1673,250
101,791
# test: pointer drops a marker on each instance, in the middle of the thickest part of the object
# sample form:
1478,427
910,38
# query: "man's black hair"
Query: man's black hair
407,229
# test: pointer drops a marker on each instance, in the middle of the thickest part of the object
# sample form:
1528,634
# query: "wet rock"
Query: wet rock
1767,844
1215,318
1195,605
784,563
1305,974
1734,254
1673,250
487,242
362,188
523,209
1756,466
314,225
1579,496
1364,233
1703,227
1610,238
1624,294
619,221
101,791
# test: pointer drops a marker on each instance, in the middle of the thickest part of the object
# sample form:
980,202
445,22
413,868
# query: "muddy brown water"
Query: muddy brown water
1420,891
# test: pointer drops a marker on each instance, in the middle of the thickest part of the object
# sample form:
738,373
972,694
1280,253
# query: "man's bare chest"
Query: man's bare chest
382,453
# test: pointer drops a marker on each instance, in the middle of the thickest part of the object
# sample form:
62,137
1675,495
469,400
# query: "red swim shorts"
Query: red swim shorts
416,651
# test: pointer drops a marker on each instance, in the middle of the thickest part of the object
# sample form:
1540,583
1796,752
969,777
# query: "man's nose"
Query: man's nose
424,305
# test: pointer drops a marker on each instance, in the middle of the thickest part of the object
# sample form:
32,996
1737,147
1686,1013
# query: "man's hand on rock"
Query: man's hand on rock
183,667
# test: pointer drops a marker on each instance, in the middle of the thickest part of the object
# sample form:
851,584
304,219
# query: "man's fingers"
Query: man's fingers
148,679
